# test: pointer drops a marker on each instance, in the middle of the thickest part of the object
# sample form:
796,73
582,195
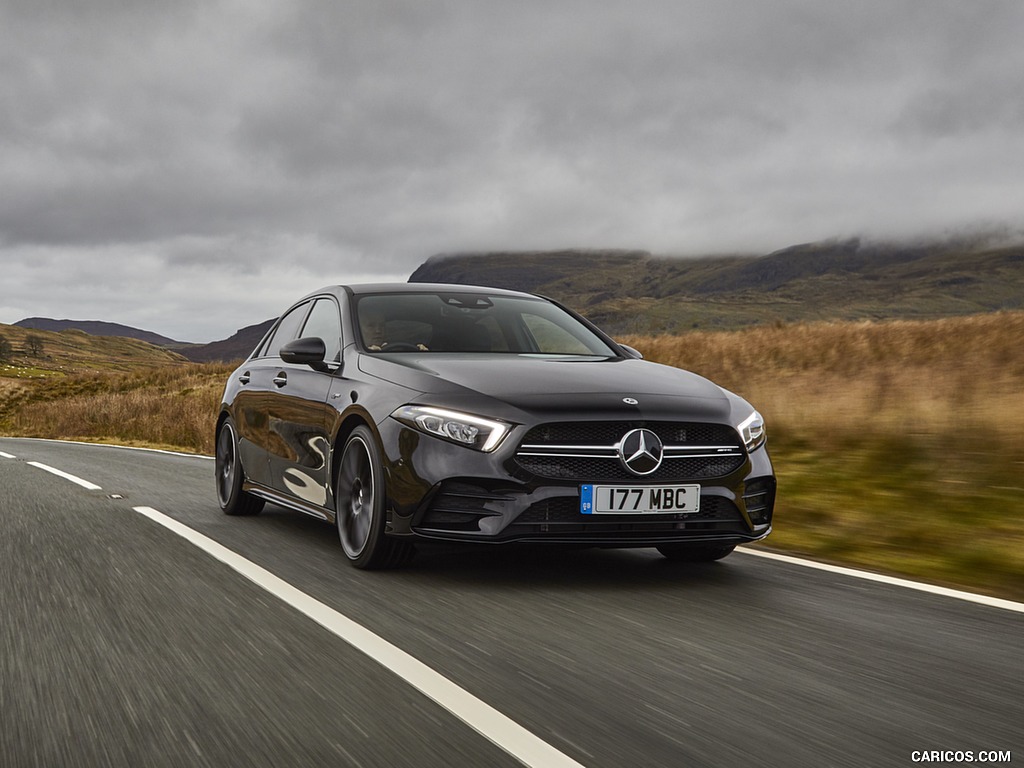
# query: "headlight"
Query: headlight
752,431
462,428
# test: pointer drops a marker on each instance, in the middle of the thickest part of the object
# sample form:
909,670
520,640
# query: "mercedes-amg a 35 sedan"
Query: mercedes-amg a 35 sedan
414,411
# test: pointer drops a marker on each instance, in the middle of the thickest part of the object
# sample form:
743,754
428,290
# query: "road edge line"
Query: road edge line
920,586
165,451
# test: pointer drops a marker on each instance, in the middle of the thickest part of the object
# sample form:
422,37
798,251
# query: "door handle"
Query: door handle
245,378
281,379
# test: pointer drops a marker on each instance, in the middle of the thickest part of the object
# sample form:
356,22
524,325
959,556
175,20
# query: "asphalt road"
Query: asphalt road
124,644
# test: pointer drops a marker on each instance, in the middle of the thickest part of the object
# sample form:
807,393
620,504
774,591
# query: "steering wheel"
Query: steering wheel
399,346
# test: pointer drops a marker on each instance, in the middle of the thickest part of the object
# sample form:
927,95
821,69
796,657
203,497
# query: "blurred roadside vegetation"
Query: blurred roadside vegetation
170,407
897,444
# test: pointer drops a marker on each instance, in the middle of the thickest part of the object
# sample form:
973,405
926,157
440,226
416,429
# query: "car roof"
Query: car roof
360,289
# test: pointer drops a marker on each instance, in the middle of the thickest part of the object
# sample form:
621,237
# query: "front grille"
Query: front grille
588,451
610,432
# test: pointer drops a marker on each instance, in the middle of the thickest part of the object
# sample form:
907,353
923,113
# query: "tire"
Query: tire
229,474
696,553
360,506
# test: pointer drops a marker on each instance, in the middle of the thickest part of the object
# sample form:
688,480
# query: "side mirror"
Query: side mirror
310,351
630,352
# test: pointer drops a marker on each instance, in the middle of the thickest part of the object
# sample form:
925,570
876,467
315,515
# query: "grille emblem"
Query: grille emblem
630,401
640,451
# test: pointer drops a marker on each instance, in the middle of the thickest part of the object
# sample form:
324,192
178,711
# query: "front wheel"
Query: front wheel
696,553
233,500
360,507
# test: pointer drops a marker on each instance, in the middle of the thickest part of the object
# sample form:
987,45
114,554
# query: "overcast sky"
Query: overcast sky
192,167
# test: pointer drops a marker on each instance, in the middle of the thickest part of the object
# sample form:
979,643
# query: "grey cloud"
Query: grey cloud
357,138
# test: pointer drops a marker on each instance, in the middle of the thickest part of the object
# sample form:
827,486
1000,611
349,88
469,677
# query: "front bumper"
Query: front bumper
439,490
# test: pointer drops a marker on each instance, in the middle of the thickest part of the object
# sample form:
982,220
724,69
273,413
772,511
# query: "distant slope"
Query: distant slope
75,351
632,291
98,328
636,292
236,347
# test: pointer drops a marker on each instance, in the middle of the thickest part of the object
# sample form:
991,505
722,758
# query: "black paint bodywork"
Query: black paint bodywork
293,415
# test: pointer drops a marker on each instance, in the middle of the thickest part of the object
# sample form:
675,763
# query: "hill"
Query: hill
632,291
98,328
637,292
236,347
35,353
33,360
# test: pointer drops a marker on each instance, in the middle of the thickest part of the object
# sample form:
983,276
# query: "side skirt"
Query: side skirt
275,497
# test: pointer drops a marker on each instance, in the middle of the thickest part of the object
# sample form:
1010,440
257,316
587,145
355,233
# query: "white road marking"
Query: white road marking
59,473
507,734
993,602
121,447
6,456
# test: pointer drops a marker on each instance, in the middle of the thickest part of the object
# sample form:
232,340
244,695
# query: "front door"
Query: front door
299,415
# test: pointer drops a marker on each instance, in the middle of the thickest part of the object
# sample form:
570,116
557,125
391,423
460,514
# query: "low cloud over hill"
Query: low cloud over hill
635,291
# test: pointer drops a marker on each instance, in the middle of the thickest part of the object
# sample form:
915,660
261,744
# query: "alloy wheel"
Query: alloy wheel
357,498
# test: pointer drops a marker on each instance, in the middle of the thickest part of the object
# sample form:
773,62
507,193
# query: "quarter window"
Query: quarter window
325,323
287,330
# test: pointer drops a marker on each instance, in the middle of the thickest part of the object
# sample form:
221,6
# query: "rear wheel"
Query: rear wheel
233,500
360,507
696,553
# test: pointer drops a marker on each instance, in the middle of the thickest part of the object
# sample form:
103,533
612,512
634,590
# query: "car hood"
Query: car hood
572,387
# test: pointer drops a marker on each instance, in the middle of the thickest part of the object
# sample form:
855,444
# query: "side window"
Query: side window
287,330
261,349
324,321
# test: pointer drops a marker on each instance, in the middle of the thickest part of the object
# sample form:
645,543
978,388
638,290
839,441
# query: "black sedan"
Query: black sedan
411,411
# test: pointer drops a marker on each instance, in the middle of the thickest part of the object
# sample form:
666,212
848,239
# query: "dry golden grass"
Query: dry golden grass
921,377
74,351
897,444
11,388
166,407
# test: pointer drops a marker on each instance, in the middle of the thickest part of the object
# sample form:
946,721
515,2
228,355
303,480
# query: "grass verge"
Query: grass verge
897,445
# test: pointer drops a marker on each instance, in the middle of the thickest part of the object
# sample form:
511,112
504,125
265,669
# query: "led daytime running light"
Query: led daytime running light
463,428
752,431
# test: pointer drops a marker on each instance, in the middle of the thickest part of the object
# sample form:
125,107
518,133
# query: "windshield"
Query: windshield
472,322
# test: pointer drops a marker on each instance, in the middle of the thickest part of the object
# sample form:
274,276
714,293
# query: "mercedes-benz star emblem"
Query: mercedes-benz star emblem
640,451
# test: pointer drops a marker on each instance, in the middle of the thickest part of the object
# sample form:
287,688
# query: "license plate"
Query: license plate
638,499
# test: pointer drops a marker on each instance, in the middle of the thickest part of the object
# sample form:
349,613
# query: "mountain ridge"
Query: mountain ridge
235,347
99,328
635,291
638,292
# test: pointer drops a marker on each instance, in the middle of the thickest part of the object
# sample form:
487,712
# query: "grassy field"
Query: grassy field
72,351
80,386
897,444
167,407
